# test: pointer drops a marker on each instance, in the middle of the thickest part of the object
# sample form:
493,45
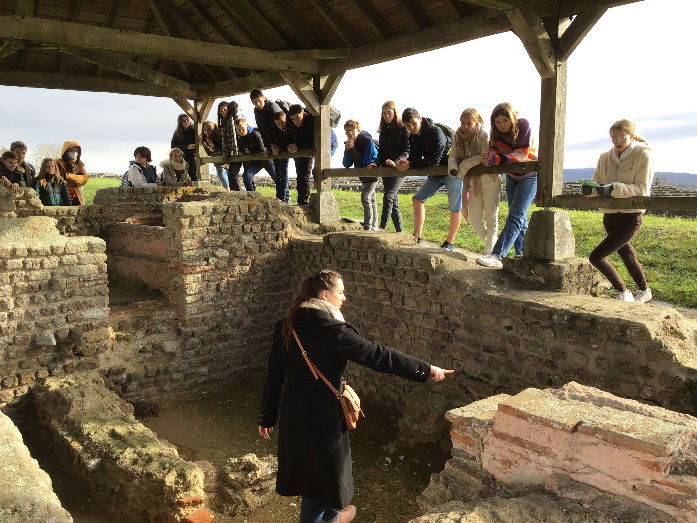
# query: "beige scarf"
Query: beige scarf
316,303
468,143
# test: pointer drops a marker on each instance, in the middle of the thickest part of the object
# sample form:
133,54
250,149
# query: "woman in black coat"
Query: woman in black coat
184,138
314,453
394,146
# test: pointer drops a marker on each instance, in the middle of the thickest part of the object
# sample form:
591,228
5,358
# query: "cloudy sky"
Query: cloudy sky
636,63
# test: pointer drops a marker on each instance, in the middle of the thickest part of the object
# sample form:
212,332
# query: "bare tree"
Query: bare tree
45,150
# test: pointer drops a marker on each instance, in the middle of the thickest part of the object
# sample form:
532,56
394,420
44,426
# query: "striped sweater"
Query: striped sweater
503,150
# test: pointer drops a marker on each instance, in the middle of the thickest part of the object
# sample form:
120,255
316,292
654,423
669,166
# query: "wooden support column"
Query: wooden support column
552,130
202,107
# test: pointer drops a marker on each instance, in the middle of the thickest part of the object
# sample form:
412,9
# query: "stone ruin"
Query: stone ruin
223,267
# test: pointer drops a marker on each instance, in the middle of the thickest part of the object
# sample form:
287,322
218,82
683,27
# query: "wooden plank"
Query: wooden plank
134,70
291,17
651,203
529,28
75,82
260,30
577,31
328,85
303,88
333,21
557,8
69,34
158,11
241,85
370,17
211,21
251,157
438,170
435,37
186,107
410,13
9,47
24,7
552,131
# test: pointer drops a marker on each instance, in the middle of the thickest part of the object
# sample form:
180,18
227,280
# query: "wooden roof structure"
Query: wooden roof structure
197,50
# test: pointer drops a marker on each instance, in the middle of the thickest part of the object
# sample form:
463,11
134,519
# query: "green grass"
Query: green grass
666,247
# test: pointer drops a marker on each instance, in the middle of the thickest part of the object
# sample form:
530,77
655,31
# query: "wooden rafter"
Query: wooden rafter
435,37
158,14
74,15
292,18
333,21
68,34
304,89
24,7
212,22
577,31
410,12
454,7
241,85
186,106
9,47
328,84
252,24
532,33
545,8
81,83
370,17
133,69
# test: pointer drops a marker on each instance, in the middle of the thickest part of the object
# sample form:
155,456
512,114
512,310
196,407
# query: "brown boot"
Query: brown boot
345,515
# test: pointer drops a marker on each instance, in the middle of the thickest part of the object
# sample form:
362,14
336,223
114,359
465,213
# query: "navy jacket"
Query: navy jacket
429,148
394,145
304,136
265,122
252,141
363,152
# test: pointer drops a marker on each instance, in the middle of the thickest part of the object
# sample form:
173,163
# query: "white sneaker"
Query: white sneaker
625,296
644,296
490,260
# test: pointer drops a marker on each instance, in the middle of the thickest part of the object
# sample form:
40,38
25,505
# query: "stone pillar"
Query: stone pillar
550,236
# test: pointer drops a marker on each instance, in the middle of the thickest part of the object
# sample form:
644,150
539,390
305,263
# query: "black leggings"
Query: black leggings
621,227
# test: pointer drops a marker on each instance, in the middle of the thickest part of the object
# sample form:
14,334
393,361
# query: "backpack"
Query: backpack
448,131
334,116
285,106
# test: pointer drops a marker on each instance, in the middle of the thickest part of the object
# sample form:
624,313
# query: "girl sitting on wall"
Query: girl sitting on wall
480,193
175,171
50,187
628,168
511,141
393,146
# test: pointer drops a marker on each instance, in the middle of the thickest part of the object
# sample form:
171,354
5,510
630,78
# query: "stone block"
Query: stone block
549,236
324,207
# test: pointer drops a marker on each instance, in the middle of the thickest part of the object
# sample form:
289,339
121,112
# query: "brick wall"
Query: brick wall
498,338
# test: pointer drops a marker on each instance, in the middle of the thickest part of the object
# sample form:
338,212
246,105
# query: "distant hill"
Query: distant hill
669,178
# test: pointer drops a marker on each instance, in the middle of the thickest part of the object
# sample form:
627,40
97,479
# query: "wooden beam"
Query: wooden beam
438,170
410,12
241,85
186,107
545,8
333,21
552,131
211,21
303,88
308,153
292,18
651,203
327,85
134,70
9,47
74,15
370,17
529,28
435,37
81,83
24,7
577,31
202,107
158,12
68,34
253,24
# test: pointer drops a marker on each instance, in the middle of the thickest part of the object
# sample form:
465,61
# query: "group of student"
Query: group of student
59,181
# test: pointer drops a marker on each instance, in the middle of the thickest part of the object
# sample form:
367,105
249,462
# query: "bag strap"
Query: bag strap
313,368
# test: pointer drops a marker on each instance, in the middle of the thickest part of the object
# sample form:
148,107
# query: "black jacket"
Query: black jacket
29,174
314,453
284,138
250,143
304,136
430,147
394,145
265,121
189,137
13,176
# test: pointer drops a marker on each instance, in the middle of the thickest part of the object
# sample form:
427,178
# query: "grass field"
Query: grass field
666,247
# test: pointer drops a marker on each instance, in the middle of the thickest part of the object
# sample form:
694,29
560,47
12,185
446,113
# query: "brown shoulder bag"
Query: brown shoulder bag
348,399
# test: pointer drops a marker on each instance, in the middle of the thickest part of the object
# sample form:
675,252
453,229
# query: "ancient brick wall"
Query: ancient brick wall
53,303
498,338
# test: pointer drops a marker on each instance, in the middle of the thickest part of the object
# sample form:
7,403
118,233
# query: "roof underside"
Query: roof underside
207,48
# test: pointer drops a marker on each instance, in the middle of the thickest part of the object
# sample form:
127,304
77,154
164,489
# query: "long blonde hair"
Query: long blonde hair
45,177
629,128
466,141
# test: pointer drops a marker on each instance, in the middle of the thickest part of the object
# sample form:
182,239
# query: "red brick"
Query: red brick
202,515
189,502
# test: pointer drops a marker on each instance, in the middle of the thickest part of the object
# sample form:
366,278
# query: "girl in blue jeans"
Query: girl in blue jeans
511,141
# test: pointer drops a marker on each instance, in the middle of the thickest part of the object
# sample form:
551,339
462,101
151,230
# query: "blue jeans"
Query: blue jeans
520,194
222,174
314,511
251,168
452,185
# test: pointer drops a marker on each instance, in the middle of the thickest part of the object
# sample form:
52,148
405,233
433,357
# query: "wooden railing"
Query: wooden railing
305,153
656,203
438,170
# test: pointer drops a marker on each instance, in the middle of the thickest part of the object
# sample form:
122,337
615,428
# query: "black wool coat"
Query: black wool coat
394,145
314,452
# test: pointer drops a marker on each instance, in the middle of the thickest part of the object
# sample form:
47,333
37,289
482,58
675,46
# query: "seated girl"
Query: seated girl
140,173
175,170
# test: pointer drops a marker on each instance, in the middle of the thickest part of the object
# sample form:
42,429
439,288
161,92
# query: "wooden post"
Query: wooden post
201,109
552,130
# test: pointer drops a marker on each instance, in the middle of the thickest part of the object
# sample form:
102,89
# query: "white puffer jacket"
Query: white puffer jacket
631,174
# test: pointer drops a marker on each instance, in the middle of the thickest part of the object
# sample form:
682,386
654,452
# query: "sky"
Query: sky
633,64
